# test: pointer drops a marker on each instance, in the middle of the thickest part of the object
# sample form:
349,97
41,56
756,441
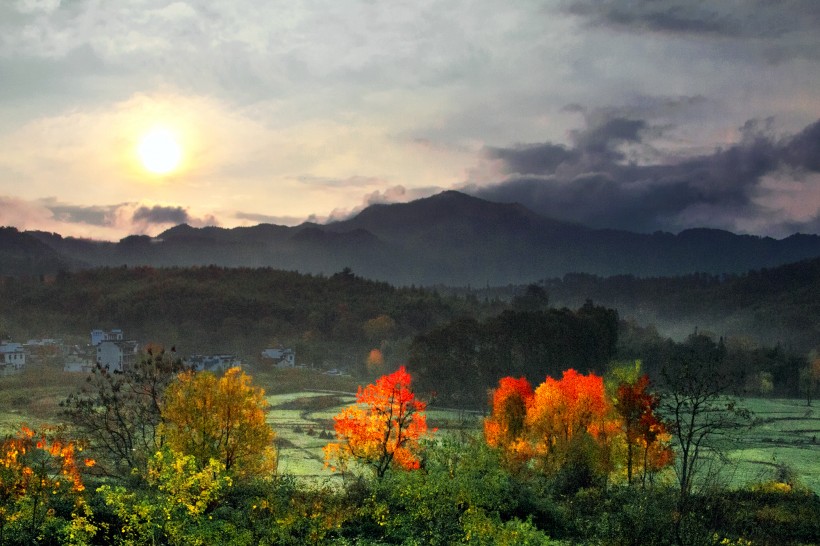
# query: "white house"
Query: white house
98,336
116,355
283,358
12,356
75,361
212,363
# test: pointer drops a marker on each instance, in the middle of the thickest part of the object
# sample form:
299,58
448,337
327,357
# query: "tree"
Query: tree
178,507
382,430
505,427
565,414
379,328
221,418
375,361
565,426
642,428
810,377
534,298
700,410
119,412
39,477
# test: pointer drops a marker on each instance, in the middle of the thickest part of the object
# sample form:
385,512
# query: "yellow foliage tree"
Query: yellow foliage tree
219,418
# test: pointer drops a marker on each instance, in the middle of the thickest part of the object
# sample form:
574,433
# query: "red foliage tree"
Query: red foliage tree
382,429
642,427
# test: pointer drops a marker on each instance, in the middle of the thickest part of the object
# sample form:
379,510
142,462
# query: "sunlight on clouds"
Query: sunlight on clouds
231,160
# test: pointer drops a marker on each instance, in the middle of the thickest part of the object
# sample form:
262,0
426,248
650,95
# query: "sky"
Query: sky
626,114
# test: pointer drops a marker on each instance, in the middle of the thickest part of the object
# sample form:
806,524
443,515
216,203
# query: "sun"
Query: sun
159,151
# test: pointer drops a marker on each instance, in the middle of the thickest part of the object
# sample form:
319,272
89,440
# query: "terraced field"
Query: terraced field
785,437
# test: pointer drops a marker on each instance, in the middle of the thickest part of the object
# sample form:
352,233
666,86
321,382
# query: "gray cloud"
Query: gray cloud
591,184
749,18
783,29
268,219
95,215
161,215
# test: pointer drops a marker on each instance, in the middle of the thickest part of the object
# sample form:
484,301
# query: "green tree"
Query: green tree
119,412
810,378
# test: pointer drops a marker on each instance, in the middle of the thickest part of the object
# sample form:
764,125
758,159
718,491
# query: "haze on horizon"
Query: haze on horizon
643,116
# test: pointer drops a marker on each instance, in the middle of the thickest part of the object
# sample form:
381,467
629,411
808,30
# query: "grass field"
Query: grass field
784,438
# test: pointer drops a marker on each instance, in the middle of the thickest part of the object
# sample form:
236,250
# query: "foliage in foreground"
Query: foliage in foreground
542,474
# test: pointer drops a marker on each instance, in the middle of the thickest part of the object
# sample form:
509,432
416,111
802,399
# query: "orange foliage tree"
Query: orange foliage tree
643,429
38,472
566,413
382,430
375,361
220,418
505,427
572,419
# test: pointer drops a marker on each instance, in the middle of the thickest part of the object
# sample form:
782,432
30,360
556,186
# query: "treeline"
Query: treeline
777,305
458,362
457,346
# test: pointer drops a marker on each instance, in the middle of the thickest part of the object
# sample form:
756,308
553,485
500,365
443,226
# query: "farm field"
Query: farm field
786,434
785,437
303,422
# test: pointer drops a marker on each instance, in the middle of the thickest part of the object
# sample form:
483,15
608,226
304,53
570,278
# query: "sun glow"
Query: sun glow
159,151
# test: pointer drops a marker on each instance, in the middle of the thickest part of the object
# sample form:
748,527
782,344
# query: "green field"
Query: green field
786,432
785,435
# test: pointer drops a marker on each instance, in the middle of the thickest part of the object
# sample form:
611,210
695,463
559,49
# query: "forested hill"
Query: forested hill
777,305
212,309
449,238
24,254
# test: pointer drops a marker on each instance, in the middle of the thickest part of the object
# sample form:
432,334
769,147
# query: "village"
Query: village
112,351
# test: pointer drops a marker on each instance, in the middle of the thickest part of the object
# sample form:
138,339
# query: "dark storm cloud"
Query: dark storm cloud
532,159
161,215
590,183
804,149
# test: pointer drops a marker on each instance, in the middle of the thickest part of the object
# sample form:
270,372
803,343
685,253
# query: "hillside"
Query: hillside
770,305
24,254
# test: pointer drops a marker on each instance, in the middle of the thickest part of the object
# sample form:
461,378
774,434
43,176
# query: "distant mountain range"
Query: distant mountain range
449,238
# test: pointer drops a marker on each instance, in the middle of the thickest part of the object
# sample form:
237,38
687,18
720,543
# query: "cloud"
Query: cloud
144,217
782,29
740,187
161,215
103,222
255,218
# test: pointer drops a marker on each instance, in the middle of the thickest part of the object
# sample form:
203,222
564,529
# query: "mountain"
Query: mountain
449,238
24,254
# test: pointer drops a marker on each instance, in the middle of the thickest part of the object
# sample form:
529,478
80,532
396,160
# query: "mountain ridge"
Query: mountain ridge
448,238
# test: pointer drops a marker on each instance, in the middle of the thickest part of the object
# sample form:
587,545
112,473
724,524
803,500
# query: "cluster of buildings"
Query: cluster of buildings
12,356
111,350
